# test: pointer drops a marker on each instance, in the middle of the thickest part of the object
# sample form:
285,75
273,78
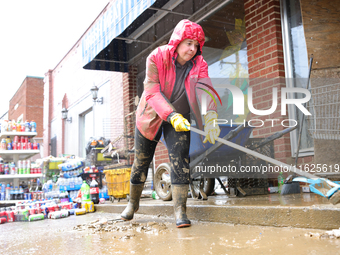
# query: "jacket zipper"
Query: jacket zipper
174,66
144,109
186,94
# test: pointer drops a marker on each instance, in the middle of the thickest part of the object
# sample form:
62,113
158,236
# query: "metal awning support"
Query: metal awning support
111,61
169,11
130,40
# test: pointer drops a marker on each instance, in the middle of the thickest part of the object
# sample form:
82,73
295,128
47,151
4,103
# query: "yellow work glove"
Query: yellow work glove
180,123
211,127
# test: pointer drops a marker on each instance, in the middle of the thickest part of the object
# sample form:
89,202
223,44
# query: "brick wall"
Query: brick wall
29,97
266,67
117,110
129,94
161,154
35,102
264,38
20,99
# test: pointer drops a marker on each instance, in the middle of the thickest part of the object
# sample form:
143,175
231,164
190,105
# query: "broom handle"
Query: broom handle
258,155
303,116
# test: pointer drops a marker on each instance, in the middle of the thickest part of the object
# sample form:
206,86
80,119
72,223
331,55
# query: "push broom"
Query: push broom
328,188
320,186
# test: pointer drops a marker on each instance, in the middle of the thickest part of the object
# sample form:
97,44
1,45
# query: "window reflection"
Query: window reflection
225,51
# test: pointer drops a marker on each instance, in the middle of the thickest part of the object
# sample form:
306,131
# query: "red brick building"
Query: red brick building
27,104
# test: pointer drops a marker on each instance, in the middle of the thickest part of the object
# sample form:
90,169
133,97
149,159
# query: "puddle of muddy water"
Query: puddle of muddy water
153,235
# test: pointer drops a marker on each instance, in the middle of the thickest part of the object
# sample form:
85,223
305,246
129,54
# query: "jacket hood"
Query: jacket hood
187,29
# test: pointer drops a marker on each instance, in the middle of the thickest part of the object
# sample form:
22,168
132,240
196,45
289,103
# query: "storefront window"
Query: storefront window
225,51
296,66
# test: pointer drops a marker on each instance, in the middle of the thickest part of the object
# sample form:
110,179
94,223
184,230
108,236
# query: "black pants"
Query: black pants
178,144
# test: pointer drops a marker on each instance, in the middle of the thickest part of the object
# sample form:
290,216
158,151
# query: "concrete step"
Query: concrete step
305,210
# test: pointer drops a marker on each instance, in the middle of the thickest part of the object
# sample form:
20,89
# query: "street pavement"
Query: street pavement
147,234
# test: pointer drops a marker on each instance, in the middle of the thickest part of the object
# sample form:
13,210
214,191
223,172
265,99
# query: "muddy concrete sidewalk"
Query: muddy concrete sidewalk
305,210
91,234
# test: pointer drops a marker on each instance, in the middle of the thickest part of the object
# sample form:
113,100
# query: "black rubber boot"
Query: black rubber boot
133,205
179,196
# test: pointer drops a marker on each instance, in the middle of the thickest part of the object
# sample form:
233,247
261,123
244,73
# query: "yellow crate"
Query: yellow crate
118,182
54,165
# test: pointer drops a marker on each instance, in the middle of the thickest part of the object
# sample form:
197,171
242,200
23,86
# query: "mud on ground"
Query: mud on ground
97,234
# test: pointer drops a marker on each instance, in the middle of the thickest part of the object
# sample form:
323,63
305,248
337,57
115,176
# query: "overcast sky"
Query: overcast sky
36,35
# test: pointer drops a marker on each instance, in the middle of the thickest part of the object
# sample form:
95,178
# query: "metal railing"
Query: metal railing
324,123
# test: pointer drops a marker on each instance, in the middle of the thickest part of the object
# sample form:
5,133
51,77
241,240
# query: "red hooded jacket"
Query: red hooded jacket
154,106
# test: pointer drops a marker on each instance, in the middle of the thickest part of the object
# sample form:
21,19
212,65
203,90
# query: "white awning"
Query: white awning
118,16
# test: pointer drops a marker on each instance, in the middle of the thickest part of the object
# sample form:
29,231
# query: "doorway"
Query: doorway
86,130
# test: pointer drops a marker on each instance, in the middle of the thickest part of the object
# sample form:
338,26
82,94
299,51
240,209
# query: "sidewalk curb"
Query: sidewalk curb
275,216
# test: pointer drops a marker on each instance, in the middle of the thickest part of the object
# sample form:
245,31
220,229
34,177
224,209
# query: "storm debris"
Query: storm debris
332,234
105,225
126,237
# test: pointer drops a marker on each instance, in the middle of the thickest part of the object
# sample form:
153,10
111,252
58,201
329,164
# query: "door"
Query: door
86,130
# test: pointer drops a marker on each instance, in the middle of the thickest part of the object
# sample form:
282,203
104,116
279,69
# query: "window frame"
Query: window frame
289,74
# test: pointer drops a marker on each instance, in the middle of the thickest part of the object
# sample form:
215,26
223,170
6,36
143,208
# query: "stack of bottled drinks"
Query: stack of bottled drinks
22,167
11,193
18,143
13,126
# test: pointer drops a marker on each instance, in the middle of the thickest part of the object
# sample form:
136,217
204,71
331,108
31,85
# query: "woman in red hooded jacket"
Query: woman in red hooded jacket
169,101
